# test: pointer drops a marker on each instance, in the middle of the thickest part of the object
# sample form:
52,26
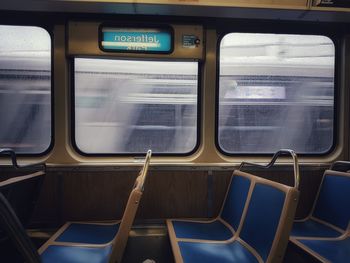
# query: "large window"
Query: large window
130,106
25,89
276,91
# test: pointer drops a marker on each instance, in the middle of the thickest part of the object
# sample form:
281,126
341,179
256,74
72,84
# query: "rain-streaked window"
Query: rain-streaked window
276,91
25,89
130,106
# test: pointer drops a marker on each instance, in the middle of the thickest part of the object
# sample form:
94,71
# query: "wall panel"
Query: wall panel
102,195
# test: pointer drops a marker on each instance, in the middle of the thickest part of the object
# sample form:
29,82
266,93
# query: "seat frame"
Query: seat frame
296,241
52,240
311,217
119,241
280,242
343,234
217,218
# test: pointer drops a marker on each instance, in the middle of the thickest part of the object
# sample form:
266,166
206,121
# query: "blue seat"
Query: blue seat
90,233
262,224
336,250
81,242
312,228
96,242
216,252
324,234
224,226
211,230
77,242
71,254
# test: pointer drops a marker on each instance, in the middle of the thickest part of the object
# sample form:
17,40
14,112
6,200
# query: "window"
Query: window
25,89
130,106
275,91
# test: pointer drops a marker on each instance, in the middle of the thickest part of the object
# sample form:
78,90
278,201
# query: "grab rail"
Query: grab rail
144,170
12,154
273,160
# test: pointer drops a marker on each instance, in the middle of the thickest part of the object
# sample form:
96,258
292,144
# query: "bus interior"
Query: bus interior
178,131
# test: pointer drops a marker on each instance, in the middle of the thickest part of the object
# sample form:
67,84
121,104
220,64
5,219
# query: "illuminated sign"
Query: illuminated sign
136,40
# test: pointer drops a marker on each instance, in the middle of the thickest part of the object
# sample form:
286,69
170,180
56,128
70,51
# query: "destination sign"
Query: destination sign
136,40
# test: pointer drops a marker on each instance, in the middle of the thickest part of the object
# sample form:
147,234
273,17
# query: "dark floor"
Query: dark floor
296,255
152,243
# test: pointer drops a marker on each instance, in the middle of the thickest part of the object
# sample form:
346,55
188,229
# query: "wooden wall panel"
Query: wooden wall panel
49,203
174,194
96,194
102,195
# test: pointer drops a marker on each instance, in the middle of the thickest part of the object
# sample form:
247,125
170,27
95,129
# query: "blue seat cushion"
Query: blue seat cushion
71,254
334,200
312,228
215,252
235,200
262,219
335,251
207,231
88,233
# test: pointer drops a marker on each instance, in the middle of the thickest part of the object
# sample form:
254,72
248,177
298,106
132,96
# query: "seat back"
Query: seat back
235,199
269,219
12,227
333,201
120,241
22,193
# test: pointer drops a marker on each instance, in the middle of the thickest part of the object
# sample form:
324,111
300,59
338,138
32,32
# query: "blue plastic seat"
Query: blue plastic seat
336,250
88,233
211,230
312,228
259,210
331,214
216,252
71,254
224,226
324,234
77,242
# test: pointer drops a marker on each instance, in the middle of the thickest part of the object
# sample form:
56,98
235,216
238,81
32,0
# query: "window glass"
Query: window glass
25,89
130,106
276,91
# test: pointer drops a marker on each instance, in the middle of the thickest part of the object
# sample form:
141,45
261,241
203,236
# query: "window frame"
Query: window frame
337,87
49,30
136,154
